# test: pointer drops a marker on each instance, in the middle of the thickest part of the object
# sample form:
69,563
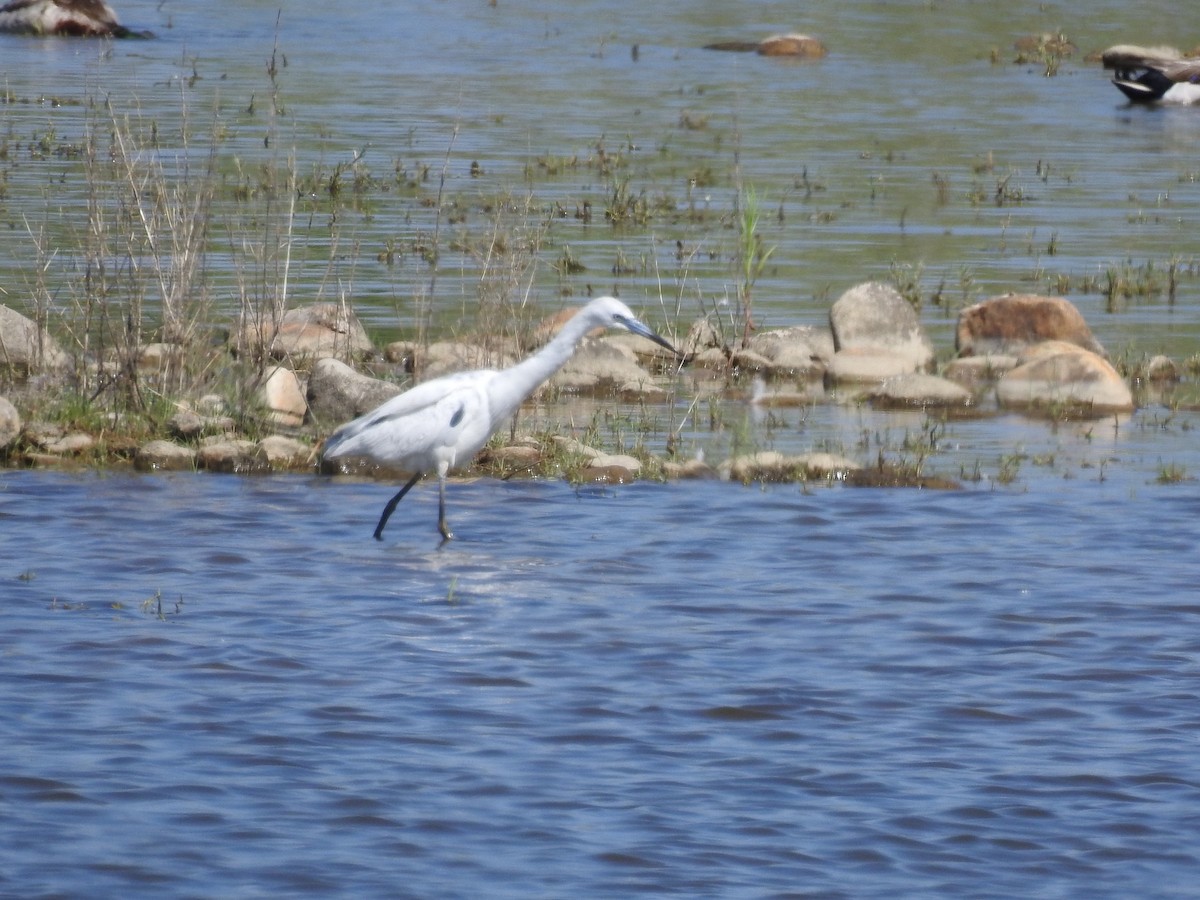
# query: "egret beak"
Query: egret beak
645,331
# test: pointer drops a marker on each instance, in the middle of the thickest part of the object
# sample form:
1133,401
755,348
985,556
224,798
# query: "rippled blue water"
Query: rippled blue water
691,689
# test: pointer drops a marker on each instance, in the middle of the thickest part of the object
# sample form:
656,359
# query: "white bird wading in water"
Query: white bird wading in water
443,423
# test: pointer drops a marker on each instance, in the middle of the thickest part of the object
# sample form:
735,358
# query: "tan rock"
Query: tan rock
692,468
280,391
796,45
1011,323
607,474
1075,377
283,452
314,332
70,444
631,464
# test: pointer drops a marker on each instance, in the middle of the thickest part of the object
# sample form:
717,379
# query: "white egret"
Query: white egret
443,423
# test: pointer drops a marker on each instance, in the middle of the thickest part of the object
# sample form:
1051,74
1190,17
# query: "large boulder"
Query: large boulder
873,320
26,348
1057,373
1011,323
337,393
603,365
312,332
801,351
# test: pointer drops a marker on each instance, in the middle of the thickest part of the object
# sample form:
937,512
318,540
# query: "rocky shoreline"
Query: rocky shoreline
1023,352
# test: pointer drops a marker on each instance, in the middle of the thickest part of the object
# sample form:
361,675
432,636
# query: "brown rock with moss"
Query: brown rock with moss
1011,323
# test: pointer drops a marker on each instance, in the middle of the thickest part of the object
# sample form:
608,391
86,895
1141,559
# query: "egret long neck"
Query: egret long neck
516,383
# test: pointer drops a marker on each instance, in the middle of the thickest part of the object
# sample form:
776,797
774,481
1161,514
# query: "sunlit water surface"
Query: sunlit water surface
222,686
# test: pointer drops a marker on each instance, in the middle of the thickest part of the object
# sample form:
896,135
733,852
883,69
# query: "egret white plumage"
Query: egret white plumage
443,423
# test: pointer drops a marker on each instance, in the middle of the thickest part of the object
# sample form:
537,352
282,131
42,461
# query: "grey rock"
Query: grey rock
10,423
873,317
917,389
337,393
25,348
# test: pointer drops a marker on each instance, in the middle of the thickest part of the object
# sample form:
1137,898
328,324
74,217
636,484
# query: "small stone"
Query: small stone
41,434
692,468
1162,368
599,364
70,444
164,456
233,456
766,465
607,474
512,456
919,390
631,464
283,452
573,447
187,425
795,45
827,465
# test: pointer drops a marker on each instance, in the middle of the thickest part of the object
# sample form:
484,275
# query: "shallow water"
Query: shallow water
222,686
1047,183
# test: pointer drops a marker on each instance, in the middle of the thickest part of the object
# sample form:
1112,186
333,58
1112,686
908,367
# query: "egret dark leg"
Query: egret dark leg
447,534
391,506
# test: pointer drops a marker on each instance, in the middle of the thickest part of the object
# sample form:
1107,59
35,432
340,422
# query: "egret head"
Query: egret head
612,313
